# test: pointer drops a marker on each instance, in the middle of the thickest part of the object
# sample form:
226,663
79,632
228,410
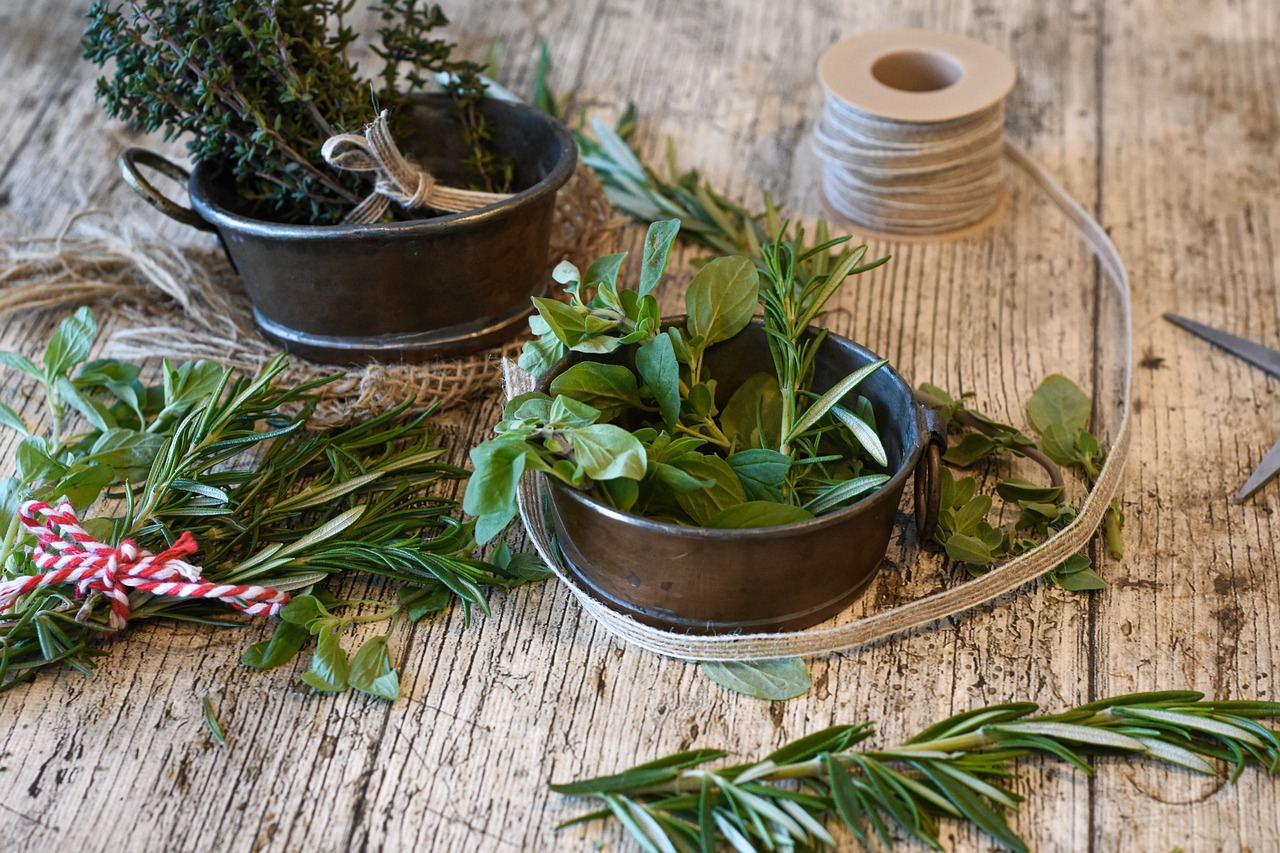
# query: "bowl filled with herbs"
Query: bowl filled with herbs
368,218
714,472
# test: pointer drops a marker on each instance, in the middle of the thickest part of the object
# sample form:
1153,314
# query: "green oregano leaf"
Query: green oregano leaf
70,343
1059,401
611,388
371,670
14,421
657,248
758,514
329,666
656,362
286,642
721,299
606,451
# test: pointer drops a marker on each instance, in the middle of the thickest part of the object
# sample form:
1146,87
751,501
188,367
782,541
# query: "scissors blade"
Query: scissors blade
1254,353
1265,471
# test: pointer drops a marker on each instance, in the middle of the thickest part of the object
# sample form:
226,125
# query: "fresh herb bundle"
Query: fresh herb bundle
644,431
259,86
269,502
1059,412
952,770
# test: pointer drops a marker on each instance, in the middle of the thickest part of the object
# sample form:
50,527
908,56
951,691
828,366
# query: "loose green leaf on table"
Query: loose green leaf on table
784,678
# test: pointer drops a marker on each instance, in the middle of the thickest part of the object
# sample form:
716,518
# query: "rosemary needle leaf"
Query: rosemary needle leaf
212,722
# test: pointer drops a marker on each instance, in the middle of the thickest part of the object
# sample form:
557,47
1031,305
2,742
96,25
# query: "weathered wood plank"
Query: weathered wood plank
1162,120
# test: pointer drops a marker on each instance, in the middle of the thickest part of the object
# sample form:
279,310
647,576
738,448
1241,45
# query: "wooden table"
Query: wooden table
1161,117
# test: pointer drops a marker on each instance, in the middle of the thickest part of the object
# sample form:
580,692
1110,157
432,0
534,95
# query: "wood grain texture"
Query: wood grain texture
1161,116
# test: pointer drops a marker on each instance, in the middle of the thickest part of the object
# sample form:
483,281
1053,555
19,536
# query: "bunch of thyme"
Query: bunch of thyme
955,769
259,85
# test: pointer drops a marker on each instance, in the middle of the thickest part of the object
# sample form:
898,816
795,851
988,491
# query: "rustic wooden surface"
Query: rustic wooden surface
1159,115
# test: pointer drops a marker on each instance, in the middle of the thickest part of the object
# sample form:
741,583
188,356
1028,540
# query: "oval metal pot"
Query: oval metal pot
709,581
396,291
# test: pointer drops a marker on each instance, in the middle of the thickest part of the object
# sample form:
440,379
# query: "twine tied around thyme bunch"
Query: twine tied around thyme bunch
66,553
398,179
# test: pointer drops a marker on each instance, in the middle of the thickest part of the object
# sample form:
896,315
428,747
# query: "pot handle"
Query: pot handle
131,158
928,475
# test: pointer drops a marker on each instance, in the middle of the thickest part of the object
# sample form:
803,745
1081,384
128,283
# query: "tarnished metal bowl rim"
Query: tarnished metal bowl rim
910,457
202,188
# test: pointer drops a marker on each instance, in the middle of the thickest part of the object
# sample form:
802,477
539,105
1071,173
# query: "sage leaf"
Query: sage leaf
610,388
758,514
721,299
286,642
1058,401
329,666
784,678
606,451
371,670
657,248
656,361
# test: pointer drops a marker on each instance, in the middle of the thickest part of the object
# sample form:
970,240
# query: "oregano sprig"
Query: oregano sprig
954,770
1059,412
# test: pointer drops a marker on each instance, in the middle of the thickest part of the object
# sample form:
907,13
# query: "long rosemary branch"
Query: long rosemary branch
954,769
269,501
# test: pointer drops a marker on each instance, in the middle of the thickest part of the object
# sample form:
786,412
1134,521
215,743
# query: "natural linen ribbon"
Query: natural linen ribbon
397,179
67,554
819,641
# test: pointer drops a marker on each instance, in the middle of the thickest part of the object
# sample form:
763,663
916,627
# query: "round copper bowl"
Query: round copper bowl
394,291
709,581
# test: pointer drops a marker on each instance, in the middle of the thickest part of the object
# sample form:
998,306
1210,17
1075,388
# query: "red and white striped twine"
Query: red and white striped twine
65,553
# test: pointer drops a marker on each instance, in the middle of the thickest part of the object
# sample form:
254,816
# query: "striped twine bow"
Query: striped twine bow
65,553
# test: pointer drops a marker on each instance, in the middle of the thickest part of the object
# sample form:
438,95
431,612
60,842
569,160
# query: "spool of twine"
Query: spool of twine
912,129
911,138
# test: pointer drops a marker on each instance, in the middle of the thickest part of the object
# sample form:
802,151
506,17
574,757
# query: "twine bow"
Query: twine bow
65,553
397,179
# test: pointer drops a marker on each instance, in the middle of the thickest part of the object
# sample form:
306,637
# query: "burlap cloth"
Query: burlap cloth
183,303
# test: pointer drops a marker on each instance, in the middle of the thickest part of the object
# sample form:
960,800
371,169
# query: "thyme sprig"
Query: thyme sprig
955,769
256,87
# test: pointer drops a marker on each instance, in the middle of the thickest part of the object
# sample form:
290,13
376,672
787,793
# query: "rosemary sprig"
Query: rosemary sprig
231,459
954,769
